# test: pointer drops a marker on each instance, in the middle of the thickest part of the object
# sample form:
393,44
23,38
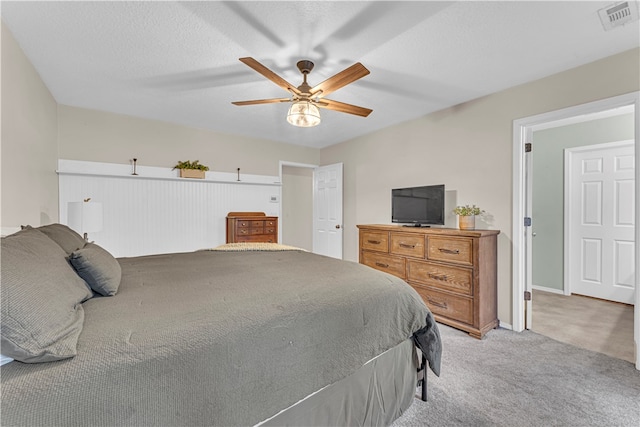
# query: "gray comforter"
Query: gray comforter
218,338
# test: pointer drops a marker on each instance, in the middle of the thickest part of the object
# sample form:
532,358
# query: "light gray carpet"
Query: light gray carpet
525,379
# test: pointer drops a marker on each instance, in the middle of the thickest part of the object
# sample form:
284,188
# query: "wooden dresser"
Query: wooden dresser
251,227
453,270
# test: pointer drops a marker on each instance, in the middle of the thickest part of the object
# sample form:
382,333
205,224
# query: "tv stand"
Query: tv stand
416,225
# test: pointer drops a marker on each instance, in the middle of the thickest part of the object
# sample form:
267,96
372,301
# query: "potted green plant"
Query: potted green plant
467,216
191,169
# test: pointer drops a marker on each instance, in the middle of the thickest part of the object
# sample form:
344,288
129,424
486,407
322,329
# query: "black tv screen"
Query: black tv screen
418,205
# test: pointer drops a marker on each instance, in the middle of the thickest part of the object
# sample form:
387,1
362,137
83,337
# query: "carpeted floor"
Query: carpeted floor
525,379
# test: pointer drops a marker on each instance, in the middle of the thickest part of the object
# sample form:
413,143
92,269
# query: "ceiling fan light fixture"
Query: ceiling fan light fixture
303,114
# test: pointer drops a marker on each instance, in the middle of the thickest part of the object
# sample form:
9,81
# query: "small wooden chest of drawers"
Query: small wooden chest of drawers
251,227
453,270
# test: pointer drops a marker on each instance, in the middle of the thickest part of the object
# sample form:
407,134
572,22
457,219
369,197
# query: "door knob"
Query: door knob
338,226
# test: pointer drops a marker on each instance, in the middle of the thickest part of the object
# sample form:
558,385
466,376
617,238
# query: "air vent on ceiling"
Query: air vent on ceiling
618,14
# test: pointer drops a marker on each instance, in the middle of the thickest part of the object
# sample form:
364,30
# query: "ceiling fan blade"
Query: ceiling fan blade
262,101
270,75
343,78
343,108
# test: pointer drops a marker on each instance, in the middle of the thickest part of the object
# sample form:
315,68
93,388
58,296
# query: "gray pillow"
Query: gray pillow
42,315
98,268
64,236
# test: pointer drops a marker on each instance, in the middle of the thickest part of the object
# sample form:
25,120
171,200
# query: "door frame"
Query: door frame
519,240
313,167
568,206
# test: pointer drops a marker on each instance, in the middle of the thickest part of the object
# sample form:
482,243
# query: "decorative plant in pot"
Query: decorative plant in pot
191,169
467,216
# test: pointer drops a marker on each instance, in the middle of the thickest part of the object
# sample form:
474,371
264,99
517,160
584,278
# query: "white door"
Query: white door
327,210
599,218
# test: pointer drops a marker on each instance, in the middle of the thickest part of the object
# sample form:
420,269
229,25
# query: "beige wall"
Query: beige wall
469,149
29,151
297,207
114,138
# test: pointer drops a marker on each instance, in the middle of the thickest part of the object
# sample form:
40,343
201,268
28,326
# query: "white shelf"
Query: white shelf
77,167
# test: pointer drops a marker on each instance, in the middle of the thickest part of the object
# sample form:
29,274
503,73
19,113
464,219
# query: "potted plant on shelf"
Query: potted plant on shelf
189,169
467,216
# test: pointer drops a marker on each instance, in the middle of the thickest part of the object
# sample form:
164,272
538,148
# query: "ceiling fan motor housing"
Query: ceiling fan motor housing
305,66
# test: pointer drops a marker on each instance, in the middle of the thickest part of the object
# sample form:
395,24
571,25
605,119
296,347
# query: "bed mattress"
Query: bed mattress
218,338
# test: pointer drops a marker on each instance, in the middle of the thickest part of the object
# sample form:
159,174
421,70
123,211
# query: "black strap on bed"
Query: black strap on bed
422,378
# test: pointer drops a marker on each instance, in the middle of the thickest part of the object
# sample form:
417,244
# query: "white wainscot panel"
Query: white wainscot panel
160,213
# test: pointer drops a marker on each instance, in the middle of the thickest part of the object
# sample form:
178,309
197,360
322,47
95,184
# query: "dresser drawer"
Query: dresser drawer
256,239
241,231
242,224
456,307
386,263
373,241
450,249
407,244
269,230
454,279
257,230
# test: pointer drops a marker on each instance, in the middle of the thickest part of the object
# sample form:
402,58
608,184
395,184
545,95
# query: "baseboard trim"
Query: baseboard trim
505,326
550,290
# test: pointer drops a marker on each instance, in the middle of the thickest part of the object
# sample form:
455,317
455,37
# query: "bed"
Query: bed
267,335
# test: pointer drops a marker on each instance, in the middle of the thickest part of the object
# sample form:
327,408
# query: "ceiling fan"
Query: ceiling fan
306,99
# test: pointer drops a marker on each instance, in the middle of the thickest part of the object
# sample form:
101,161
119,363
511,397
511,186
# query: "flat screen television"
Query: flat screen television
418,206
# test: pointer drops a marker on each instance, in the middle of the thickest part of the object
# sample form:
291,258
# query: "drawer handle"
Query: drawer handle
379,264
405,245
374,242
449,251
437,277
437,304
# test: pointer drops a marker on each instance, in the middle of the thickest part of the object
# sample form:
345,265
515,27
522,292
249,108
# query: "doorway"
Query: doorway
523,232
311,207
296,217
582,229
296,207
556,207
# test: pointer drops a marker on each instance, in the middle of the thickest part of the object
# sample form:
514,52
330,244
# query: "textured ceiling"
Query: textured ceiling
178,61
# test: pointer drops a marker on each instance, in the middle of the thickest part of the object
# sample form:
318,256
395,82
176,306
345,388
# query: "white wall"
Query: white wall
468,148
29,150
155,211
